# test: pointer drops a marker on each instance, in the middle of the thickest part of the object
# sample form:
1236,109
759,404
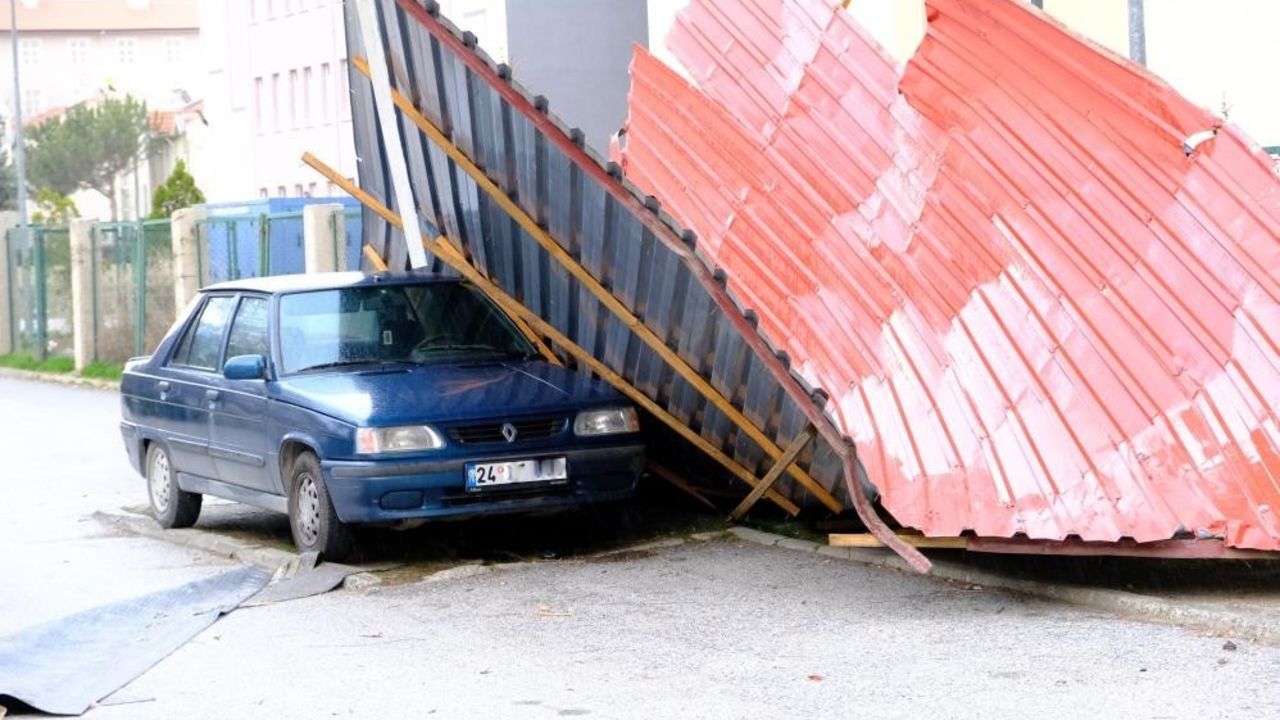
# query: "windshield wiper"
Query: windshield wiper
351,363
456,348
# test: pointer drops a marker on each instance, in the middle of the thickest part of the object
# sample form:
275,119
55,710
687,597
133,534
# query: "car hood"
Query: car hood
444,392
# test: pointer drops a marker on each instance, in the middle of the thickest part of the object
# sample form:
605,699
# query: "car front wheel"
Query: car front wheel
171,506
314,523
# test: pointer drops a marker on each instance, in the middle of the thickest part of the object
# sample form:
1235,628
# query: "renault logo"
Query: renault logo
509,432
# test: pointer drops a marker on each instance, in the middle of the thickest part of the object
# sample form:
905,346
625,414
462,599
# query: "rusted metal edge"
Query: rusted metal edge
631,201
1177,549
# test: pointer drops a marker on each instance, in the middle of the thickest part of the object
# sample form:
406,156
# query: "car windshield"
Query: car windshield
430,322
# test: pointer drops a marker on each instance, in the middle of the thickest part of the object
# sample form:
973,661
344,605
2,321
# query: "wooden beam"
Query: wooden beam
867,540
606,298
789,456
375,259
498,295
670,476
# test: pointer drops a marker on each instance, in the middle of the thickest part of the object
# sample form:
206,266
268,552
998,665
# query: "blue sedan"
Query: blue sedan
344,399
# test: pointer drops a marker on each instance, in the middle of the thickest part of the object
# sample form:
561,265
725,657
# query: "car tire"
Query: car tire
171,506
312,519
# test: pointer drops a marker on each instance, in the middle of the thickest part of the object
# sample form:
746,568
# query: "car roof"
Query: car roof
275,284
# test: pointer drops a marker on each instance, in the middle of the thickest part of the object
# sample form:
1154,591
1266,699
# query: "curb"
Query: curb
1146,608
267,558
60,379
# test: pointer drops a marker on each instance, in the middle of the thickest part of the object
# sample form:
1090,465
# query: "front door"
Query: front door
238,437
186,385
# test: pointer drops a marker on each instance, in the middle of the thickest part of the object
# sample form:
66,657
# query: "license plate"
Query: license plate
483,475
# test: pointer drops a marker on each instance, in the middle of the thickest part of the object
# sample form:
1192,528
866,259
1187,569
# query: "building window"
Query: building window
281,191
275,102
293,99
28,51
257,105
126,50
326,83
32,101
173,47
297,190
78,50
311,190
306,96
263,192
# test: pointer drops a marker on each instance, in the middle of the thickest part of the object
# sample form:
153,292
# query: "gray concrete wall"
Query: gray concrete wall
577,52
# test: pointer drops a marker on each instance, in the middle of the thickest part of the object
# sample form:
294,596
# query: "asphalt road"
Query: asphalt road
711,629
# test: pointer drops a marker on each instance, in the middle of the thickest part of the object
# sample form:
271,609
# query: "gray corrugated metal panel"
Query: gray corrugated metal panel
616,246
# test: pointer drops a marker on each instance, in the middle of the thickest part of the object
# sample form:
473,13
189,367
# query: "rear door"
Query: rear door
238,434
189,379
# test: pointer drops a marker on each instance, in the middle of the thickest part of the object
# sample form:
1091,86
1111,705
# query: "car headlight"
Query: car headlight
405,438
609,421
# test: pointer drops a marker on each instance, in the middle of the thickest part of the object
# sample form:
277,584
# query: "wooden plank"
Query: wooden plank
789,456
498,295
867,540
374,259
606,298
670,476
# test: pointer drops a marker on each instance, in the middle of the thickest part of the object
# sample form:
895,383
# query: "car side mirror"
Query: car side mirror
245,367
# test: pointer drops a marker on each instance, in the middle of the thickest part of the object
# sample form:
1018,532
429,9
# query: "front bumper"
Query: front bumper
371,491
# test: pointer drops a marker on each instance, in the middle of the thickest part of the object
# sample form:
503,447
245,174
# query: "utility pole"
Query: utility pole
1137,33
19,149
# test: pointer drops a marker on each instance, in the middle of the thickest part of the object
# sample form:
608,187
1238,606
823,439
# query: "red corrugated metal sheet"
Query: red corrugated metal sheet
1035,312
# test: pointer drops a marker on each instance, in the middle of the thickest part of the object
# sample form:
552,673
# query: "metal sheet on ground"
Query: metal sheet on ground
64,666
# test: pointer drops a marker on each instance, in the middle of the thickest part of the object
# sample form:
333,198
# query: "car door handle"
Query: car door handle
211,395
163,385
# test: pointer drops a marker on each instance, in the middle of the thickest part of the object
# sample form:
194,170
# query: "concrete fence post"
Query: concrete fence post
83,327
188,256
323,235
8,220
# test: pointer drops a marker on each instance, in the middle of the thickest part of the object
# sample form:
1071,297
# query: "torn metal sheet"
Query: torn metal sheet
1043,288
64,666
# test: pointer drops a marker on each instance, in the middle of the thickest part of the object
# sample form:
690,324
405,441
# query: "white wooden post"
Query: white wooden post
188,255
83,328
324,238
8,220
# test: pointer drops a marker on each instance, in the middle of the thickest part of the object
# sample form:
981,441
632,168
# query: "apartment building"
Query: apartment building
276,79
68,50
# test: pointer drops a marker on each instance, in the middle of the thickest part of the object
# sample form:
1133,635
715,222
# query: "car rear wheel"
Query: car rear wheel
314,523
171,506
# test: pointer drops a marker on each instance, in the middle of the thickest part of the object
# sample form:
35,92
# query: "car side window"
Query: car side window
249,329
203,342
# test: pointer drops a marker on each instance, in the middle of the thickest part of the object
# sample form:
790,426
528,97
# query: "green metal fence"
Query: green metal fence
131,264
38,263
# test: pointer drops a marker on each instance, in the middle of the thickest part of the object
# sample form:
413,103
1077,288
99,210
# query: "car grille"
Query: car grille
491,432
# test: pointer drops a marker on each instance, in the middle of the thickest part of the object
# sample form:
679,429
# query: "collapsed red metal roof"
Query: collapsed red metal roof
1041,286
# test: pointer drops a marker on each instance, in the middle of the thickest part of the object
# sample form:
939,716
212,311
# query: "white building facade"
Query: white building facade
276,81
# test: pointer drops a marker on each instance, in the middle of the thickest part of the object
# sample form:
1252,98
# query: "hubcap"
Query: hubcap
158,479
308,509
